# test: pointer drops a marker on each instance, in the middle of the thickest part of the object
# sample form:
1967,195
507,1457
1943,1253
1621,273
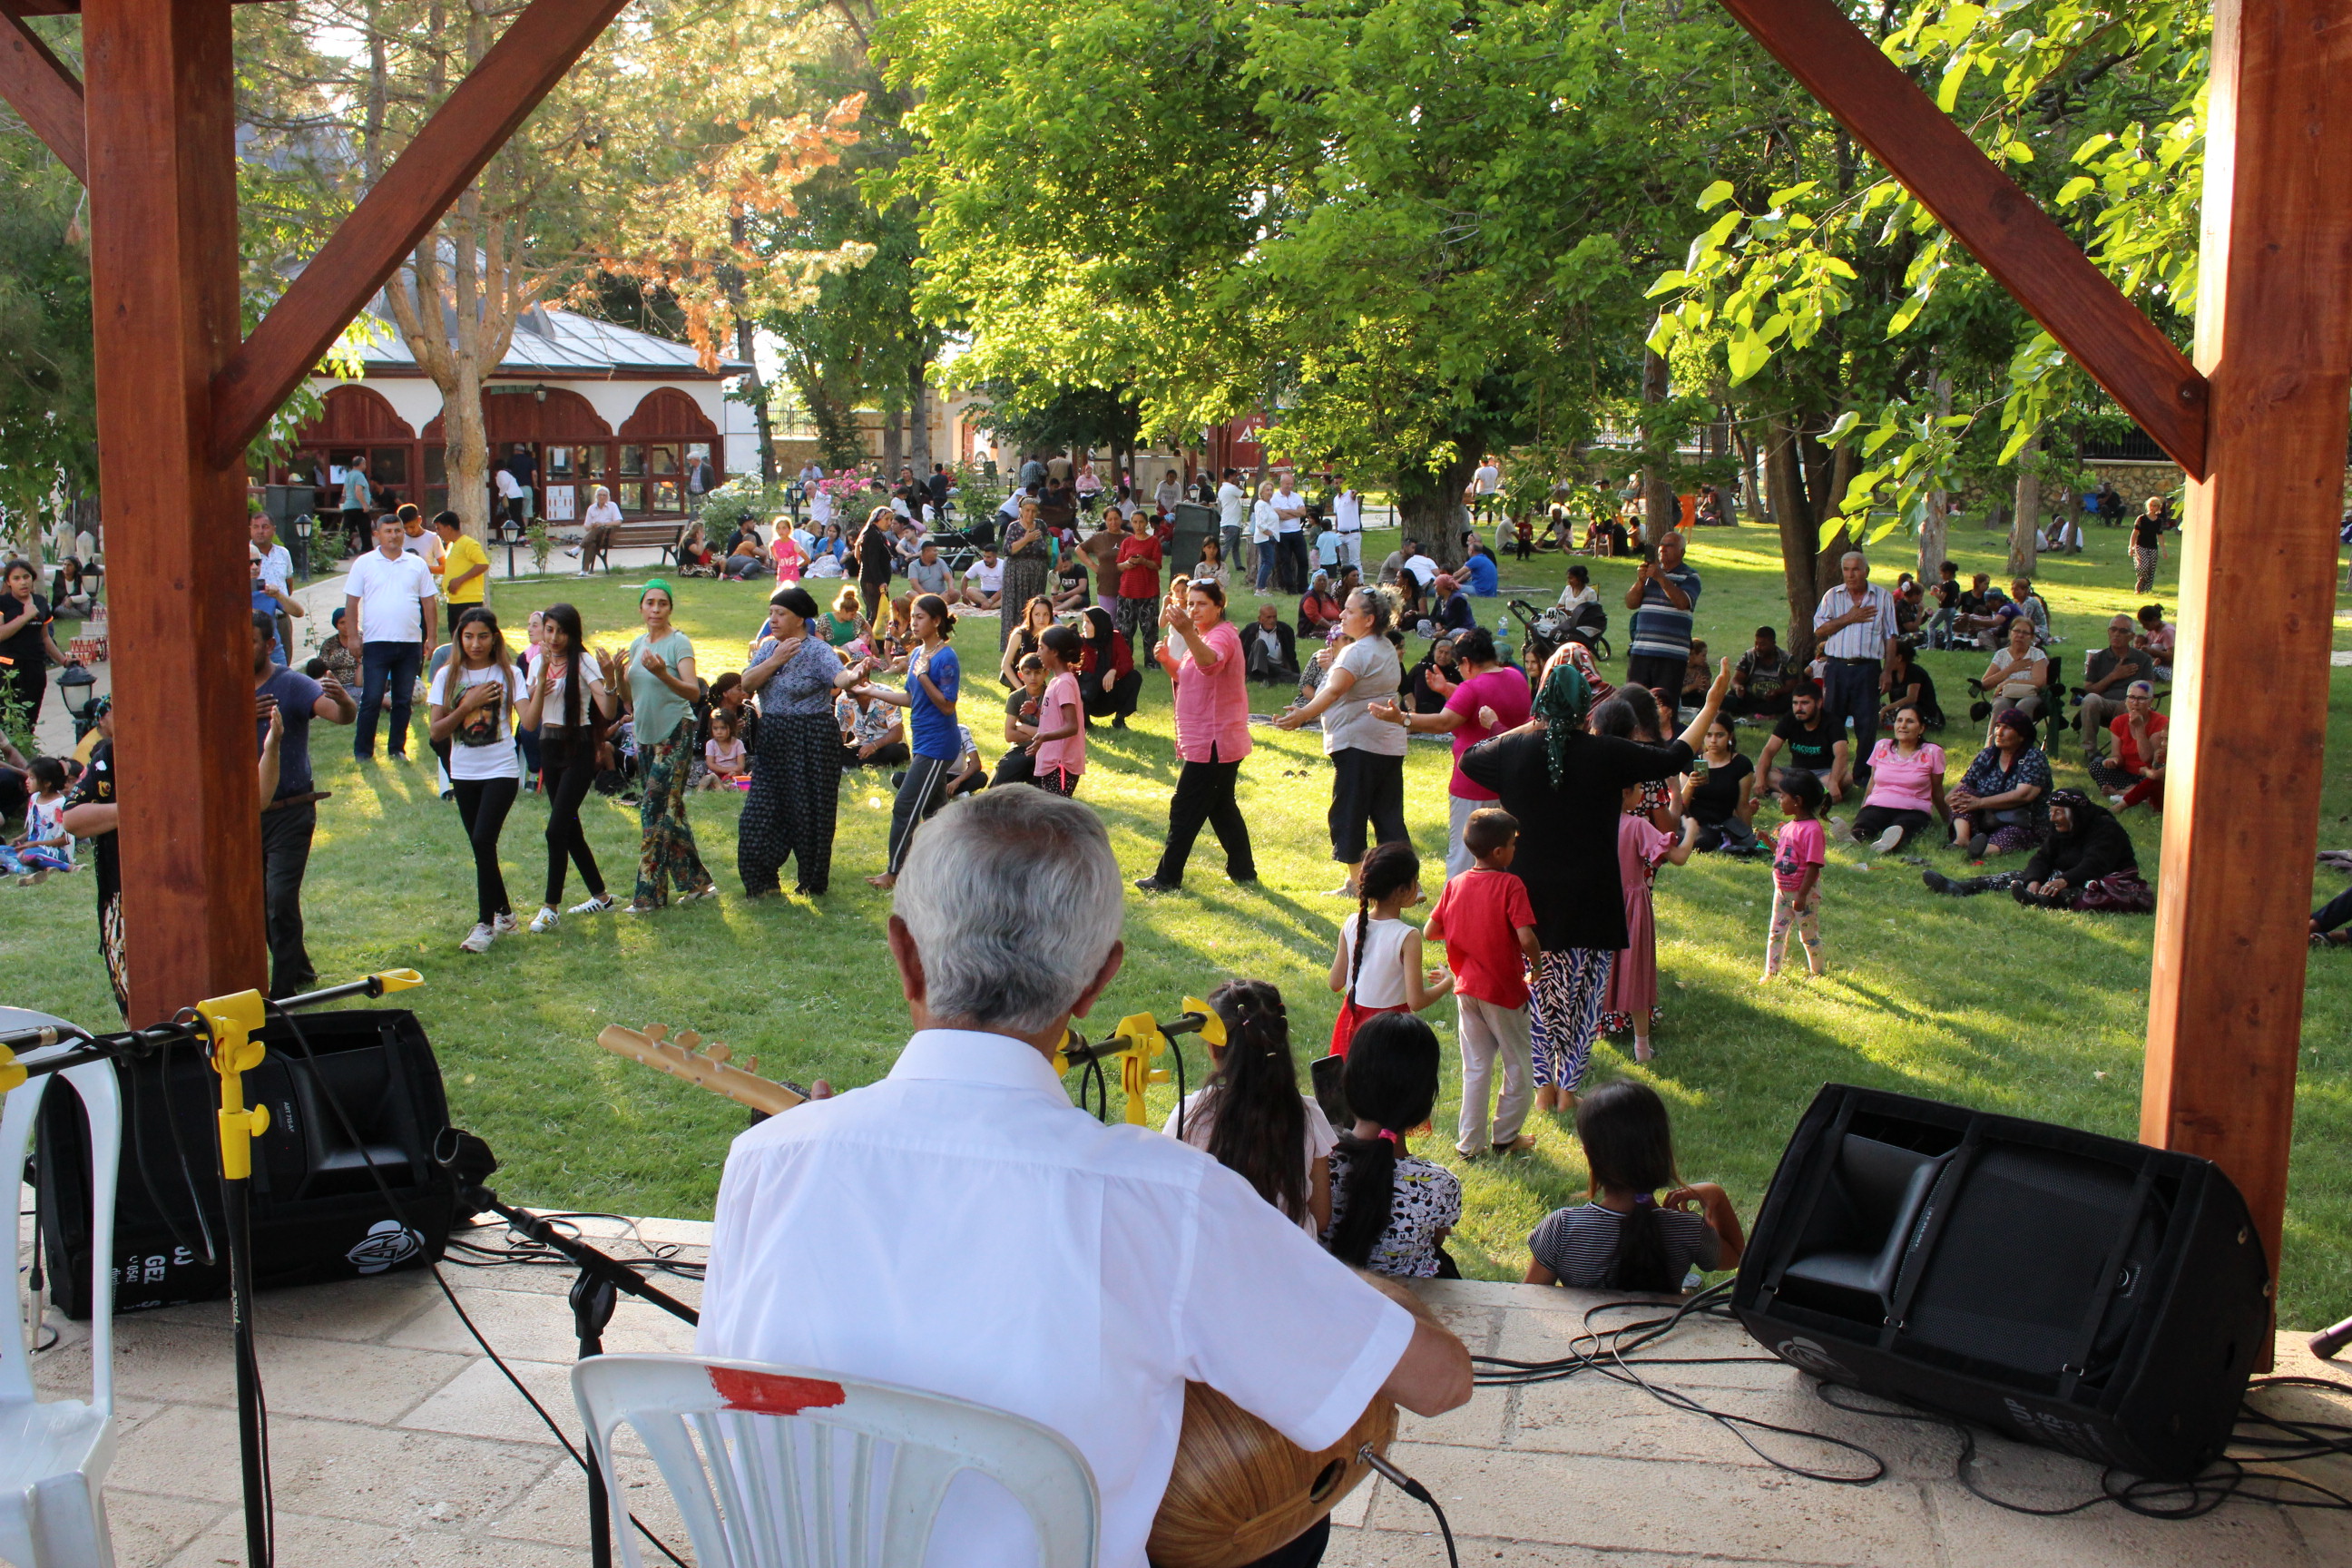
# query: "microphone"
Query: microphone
2326,1343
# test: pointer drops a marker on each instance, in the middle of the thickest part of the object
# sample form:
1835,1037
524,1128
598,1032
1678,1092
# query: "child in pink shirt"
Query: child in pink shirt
1060,745
1632,1002
1797,856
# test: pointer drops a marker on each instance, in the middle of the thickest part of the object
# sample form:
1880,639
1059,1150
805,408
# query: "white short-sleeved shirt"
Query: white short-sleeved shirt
389,593
1231,505
1348,512
988,576
1291,508
1489,479
961,1227
485,748
1200,1112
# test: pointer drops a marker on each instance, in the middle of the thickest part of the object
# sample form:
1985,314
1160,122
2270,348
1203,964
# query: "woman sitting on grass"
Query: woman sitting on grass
1390,1209
1907,785
1625,1237
2001,804
2085,860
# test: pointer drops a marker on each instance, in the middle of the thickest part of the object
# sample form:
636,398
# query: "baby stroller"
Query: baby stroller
1548,626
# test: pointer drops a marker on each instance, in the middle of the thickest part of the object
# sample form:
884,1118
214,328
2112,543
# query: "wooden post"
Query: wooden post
163,295
2257,595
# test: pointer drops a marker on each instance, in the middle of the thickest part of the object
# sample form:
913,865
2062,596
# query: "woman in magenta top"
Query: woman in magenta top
1492,698
1203,656
1907,785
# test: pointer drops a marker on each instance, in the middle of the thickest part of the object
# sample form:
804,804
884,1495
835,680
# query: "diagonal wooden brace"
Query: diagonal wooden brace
475,121
39,87
2027,252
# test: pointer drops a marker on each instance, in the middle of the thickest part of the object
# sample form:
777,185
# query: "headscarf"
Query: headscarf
2015,718
1562,704
651,583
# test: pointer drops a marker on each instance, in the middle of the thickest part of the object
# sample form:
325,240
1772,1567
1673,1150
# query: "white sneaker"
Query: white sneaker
544,922
504,925
595,906
479,940
1888,841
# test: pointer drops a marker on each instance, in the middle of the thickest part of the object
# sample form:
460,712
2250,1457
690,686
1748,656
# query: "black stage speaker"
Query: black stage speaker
2082,1292
317,1213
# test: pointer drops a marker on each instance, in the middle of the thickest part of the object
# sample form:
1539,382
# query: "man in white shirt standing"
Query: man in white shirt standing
277,572
509,490
1347,523
388,626
960,1227
1290,542
1857,625
1232,515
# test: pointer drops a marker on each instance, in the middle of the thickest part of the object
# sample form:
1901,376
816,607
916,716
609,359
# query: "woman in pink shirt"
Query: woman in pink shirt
1203,656
1907,785
1491,699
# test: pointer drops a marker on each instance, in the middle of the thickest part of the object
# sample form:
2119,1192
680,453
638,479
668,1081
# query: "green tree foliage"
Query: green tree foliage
48,425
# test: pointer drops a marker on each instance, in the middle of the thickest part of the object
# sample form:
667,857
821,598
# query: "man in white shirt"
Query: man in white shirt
1290,540
388,626
510,491
983,583
1857,627
961,1228
1347,523
277,571
1232,515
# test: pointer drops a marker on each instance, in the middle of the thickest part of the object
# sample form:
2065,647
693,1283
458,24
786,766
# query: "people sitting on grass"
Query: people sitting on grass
2328,921
1975,610
1250,1116
1433,680
1577,590
2132,774
45,846
2155,637
873,735
2107,674
1814,744
1449,609
747,557
1270,651
983,580
1390,1209
1907,785
1720,793
1318,611
2001,804
2084,860
1108,682
1480,575
2018,678
724,760
1908,684
1762,679
1698,674
1624,1236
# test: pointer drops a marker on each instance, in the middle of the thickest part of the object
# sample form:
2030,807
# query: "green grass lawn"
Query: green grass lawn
2035,1015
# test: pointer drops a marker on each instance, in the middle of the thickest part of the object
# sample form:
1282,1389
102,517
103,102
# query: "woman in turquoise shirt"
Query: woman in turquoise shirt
662,692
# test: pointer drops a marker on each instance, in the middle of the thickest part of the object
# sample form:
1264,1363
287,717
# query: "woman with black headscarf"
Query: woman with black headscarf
2085,860
1565,785
796,777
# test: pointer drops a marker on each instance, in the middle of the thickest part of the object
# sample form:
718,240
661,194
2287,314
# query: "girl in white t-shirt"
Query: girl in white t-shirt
473,706
1378,968
1250,1115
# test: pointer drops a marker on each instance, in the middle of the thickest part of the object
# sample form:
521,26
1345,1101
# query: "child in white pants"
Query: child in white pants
1488,927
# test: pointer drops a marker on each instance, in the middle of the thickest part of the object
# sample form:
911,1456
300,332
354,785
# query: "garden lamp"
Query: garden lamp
78,689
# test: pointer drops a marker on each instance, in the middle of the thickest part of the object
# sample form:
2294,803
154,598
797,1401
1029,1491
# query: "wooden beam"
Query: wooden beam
40,88
530,58
2258,596
163,304
2029,255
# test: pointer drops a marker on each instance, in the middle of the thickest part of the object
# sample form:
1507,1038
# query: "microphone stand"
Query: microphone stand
592,1300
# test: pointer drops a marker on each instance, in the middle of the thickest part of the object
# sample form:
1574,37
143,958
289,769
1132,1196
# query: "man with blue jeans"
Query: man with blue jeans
388,626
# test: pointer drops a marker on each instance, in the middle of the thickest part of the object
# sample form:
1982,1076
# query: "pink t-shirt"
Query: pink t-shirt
1069,752
1797,845
790,558
1505,691
1901,783
1211,706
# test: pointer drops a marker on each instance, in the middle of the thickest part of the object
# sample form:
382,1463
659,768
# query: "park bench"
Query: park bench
662,533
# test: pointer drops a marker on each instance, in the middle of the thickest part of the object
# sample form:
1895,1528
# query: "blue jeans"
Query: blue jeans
388,672
1267,550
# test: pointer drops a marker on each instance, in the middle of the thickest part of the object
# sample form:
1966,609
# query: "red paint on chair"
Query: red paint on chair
772,1395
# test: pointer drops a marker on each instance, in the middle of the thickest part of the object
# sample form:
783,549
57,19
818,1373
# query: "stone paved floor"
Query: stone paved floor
396,1441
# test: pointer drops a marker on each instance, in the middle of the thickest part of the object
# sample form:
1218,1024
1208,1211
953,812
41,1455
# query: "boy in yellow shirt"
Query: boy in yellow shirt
465,567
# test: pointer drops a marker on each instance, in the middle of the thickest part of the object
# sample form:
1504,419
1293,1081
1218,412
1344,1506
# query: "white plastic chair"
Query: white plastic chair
752,1455
54,1455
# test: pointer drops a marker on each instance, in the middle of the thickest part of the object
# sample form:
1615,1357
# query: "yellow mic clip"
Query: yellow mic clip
12,1075
229,1024
1213,1026
396,979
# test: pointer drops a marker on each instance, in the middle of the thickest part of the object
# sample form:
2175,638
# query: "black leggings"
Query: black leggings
1872,820
571,769
482,807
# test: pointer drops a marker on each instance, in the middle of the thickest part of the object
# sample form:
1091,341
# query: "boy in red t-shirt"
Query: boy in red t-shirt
1488,927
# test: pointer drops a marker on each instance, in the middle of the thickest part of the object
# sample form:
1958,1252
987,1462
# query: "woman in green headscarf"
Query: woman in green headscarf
662,694
1564,784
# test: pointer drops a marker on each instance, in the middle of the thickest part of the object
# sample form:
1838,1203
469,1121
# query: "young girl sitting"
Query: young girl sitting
45,846
722,754
1624,1236
1641,849
1390,1209
1797,856
1250,1115
1378,968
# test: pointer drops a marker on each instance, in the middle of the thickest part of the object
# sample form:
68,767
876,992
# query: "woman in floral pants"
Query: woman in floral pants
662,690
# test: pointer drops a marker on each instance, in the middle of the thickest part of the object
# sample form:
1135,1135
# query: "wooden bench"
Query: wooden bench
665,533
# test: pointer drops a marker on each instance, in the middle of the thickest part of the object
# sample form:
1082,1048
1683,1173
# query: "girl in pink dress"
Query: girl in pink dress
1641,849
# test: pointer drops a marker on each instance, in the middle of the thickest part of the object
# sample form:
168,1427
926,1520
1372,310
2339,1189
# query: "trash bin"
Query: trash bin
1195,523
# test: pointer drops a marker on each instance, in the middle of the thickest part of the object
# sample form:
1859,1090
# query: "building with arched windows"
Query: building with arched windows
595,403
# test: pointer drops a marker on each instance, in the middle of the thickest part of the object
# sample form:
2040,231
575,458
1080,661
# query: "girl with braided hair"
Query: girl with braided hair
1250,1116
1390,1209
1378,968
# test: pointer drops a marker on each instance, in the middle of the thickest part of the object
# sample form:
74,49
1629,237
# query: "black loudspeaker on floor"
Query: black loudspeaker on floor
317,1213
2082,1292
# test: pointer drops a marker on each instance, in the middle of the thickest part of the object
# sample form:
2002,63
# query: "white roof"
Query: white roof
551,342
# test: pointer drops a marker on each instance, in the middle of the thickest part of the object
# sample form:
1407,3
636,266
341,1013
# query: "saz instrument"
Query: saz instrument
1239,1488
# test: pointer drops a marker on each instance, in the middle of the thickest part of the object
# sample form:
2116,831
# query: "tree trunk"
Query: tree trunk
2025,529
893,445
1933,524
467,455
919,428
1837,474
1800,533
1661,508
1752,484
1429,506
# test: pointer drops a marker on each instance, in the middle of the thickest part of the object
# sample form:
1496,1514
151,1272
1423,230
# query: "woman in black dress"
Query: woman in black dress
26,640
1564,784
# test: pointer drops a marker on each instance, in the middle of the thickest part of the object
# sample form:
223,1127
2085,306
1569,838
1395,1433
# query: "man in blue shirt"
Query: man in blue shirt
292,817
1664,597
1481,571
